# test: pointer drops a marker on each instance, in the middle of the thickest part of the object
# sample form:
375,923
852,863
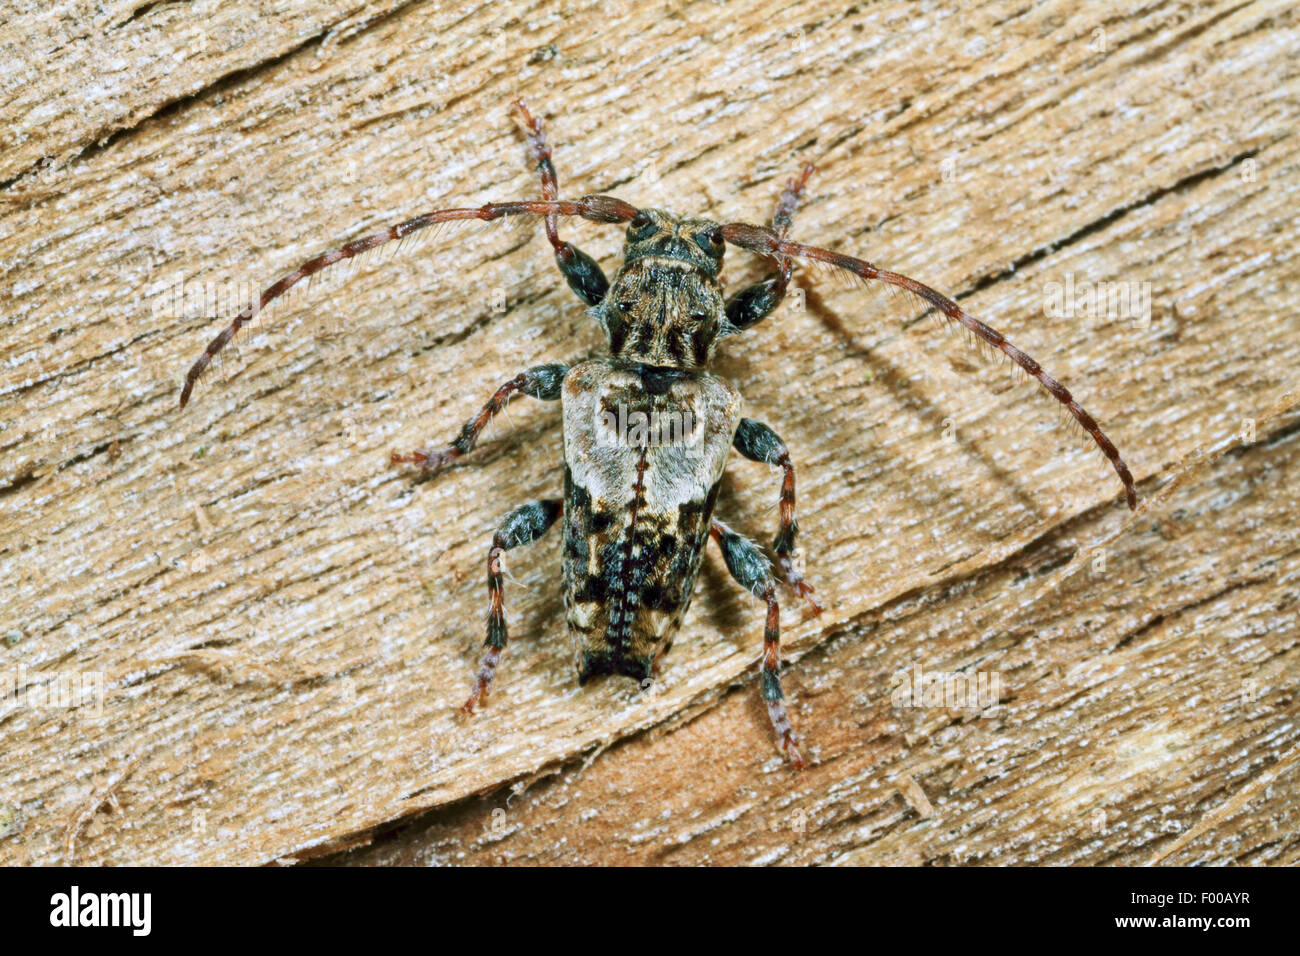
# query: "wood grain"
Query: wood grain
282,624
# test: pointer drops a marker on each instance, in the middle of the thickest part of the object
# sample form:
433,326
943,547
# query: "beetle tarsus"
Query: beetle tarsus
430,460
482,681
796,583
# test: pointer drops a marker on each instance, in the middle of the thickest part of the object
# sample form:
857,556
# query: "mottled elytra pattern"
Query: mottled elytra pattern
647,428
637,511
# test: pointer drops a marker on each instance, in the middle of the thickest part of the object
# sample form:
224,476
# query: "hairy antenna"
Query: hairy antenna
769,243
604,209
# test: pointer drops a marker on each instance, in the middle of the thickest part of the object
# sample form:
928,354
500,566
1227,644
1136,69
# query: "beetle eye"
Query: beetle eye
626,305
641,227
710,240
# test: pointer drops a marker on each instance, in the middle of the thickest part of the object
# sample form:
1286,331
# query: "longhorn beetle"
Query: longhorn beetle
638,509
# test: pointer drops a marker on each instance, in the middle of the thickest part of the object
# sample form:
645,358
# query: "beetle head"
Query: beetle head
665,306
660,236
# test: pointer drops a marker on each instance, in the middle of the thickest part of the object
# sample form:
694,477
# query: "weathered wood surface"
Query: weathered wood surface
284,625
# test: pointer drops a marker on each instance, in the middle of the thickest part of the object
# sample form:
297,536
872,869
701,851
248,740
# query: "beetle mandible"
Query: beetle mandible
647,428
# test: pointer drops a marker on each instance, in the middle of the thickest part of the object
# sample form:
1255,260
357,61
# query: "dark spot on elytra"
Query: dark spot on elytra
594,664
656,597
593,590
693,516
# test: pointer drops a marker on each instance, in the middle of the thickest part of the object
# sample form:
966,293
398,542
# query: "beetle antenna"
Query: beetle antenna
603,209
768,243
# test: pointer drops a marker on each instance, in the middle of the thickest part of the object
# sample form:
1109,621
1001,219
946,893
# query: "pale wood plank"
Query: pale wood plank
285,624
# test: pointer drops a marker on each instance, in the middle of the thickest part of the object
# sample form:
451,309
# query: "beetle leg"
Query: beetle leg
750,569
759,443
756,302
524,525
582,273
543,381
